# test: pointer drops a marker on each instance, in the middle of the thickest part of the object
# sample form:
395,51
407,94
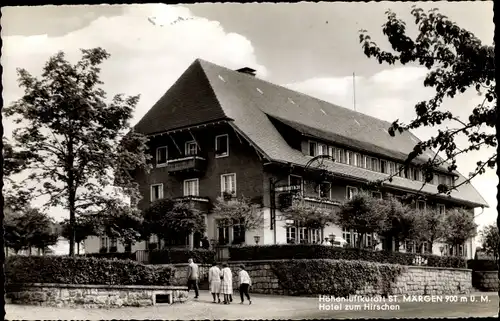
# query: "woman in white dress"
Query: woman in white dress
214,279
227,283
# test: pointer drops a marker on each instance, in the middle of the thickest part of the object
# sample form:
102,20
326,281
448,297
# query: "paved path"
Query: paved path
263,307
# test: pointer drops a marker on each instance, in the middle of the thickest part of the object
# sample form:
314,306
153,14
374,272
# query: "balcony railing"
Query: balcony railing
187,163
200,203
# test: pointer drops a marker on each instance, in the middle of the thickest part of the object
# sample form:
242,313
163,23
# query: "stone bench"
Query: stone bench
100,296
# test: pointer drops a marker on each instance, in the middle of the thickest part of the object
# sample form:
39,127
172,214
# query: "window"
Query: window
383,167
340,155
322,149
295,180
221,146
401,170
290,233
156,192
449,180
441,209
375,165
191,187
393,168
410,247
228,184
351,191
103,242
325,190
442,179
190,148
302,235
315,236
346,235
368,240
313,149
368,163
421,205
359,160
161,156
113,244
238,232
377,195
426,248
416,174
350,158
222,232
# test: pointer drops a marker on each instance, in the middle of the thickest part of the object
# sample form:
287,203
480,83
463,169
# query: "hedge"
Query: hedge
317,251
171,256
84,270
115,255
339,278
482,265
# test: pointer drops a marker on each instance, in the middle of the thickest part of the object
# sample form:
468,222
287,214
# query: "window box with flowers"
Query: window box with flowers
227,196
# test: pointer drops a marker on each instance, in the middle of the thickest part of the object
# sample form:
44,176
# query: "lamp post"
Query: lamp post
441,248
256,239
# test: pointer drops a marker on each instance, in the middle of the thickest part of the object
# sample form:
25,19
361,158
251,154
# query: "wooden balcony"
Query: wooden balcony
187,164
202,204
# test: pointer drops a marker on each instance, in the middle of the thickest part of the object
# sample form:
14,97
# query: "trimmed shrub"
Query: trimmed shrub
115,255
171,256
339,278
317,251
482,265
84,270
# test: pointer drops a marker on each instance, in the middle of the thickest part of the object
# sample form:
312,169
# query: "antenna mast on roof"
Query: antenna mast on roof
354,90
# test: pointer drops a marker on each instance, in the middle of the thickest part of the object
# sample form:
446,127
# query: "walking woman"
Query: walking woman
227,283
245,283
214,276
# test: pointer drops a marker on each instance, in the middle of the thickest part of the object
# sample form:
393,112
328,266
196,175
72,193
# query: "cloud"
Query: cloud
146,58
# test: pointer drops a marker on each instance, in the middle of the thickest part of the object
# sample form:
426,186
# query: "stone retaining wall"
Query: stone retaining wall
485,280
415,280
91,296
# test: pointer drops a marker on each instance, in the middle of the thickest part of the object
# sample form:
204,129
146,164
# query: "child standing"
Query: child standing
227,283
245,283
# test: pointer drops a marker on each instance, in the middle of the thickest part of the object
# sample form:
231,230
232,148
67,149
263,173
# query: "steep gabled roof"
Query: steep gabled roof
208,92
190,101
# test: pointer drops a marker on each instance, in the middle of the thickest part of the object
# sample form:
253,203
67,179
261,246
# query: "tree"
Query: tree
83,228
429,227
28,229
460,227
490,239
75,143
457,61
241,211
313,217
361,214
400,218
166,218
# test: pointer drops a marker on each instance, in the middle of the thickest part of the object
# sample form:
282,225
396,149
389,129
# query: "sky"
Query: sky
309,47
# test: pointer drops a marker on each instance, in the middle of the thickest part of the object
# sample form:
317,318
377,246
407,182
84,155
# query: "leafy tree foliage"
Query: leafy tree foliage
28,229
83,228
75,144
430,226
167,217
312,217
490,239
400,224
460,227
457,61
241,211
362,214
